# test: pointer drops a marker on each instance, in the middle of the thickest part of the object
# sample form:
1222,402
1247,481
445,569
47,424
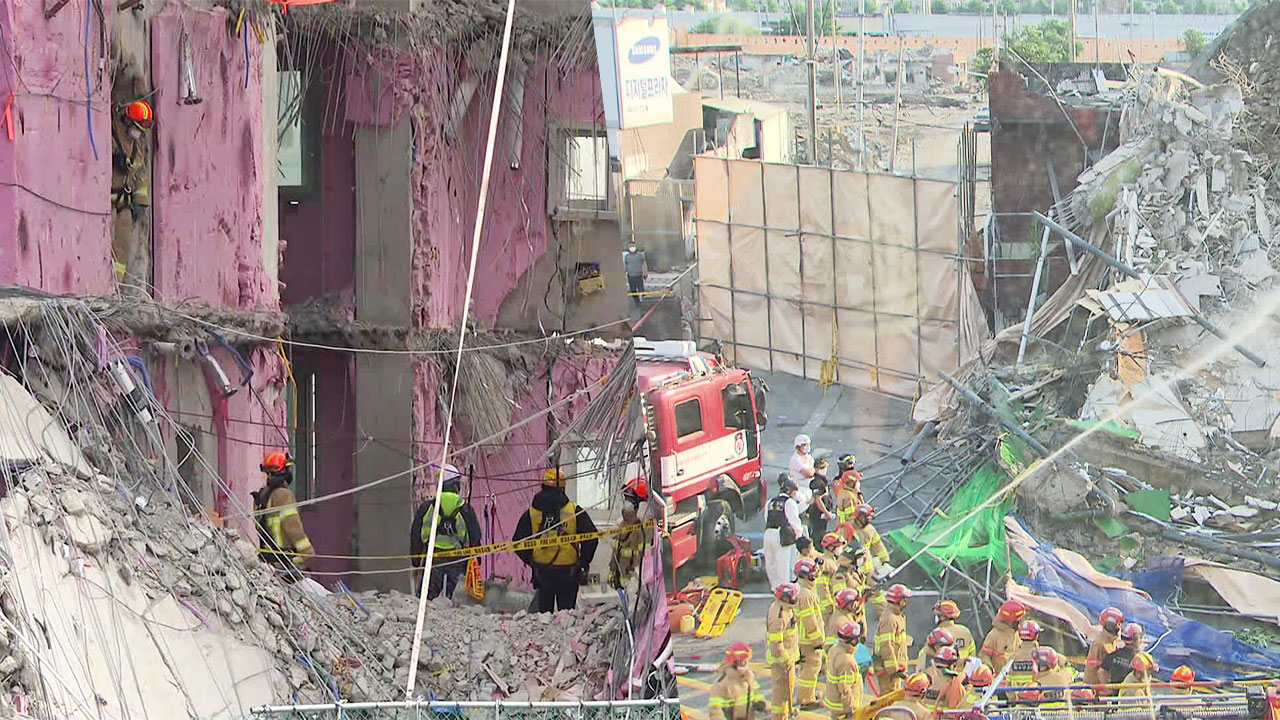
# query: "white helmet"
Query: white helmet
450,472
801,439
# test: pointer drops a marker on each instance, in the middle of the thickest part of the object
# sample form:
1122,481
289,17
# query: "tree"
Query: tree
979,7
1046,42
870,7
939,7
725,24
982,61
902,6
1193,42
1168,7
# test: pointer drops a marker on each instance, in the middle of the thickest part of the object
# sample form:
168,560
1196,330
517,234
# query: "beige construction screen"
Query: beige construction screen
801,266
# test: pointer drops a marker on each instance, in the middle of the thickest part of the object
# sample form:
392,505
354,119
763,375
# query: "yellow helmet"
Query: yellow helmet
553,477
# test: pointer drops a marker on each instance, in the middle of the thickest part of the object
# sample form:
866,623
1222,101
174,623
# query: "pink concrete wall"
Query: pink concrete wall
208,228
55,196
446,174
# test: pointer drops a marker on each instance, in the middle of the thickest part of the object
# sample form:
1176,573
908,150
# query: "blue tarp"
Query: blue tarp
1161,578
1213,654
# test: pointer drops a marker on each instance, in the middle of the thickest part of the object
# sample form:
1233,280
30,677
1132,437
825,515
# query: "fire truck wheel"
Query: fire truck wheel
714,527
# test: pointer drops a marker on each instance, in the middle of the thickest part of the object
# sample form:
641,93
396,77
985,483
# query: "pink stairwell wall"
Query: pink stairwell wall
516,230
208,242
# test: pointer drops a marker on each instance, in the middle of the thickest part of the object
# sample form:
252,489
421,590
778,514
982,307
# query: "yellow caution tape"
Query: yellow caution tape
492,548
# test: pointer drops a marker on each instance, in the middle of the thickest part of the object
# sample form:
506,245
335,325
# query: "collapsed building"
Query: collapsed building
259,221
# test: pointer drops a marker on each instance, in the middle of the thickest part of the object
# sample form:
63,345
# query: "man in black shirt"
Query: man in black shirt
819,513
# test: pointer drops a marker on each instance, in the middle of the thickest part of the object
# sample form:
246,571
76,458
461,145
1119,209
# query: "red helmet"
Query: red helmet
806,569
982,676
940,638
1045,658
864,511
916,684
1131,632
1143,662
850,632
276,462
140,112
1184,674
832,540
1029,630
637,489
1011,611
847,598
787,592
1111,619
947,656
946,609
737,653
1273,697
897,593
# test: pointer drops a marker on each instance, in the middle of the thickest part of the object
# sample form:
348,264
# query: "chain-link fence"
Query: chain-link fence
427,710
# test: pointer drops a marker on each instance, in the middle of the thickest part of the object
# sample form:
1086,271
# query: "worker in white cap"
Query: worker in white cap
801,471
458,527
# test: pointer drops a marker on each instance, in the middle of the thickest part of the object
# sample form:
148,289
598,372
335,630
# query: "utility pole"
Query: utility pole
811,142
897,108
861,139
995,32
1097,36
835,58
1071,45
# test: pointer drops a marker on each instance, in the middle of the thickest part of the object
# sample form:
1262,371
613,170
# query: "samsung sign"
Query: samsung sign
644,71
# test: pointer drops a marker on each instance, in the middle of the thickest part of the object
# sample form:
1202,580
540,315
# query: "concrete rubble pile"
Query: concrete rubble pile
469,654
1187,207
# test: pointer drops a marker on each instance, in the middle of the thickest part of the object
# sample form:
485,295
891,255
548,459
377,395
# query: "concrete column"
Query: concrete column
384,383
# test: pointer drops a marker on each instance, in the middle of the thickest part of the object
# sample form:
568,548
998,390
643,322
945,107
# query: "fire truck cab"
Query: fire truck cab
702,423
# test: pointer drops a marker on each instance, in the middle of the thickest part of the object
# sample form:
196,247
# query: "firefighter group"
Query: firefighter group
818,620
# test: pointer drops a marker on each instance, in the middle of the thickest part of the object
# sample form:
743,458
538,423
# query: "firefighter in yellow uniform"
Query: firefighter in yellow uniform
1143,673
829,567
782,649
1183,677
1107,642
867,534
1051,672
947,614
1022,670
630,543
812,636
1002,641
935,640
284,541
822,581
912,705
946,684
889,665
847,601
559,568
979,680
844,677
736,692
848,489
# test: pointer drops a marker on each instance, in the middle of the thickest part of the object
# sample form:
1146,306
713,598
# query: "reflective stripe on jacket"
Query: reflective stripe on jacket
562,554
451,528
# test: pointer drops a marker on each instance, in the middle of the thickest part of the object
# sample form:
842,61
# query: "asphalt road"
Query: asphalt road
838,420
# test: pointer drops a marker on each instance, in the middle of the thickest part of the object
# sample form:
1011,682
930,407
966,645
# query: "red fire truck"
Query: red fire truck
702,423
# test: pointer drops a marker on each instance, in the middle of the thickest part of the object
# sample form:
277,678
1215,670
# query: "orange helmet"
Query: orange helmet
1029,630
1143,662
1131,632
917,684
850,632
1045,658
982,676
1011,611
1184,674
806,569
1111,619
1083,695
140,112
276,462
939,638
897,593
864,512
553,478
737,653
947,656
946,609
832,540
787,592
847,598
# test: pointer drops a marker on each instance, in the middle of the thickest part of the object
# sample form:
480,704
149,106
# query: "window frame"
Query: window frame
559,204
308,136
675,415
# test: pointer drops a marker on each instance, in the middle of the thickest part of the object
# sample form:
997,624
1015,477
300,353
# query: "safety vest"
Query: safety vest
451,530
776,516
562,554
